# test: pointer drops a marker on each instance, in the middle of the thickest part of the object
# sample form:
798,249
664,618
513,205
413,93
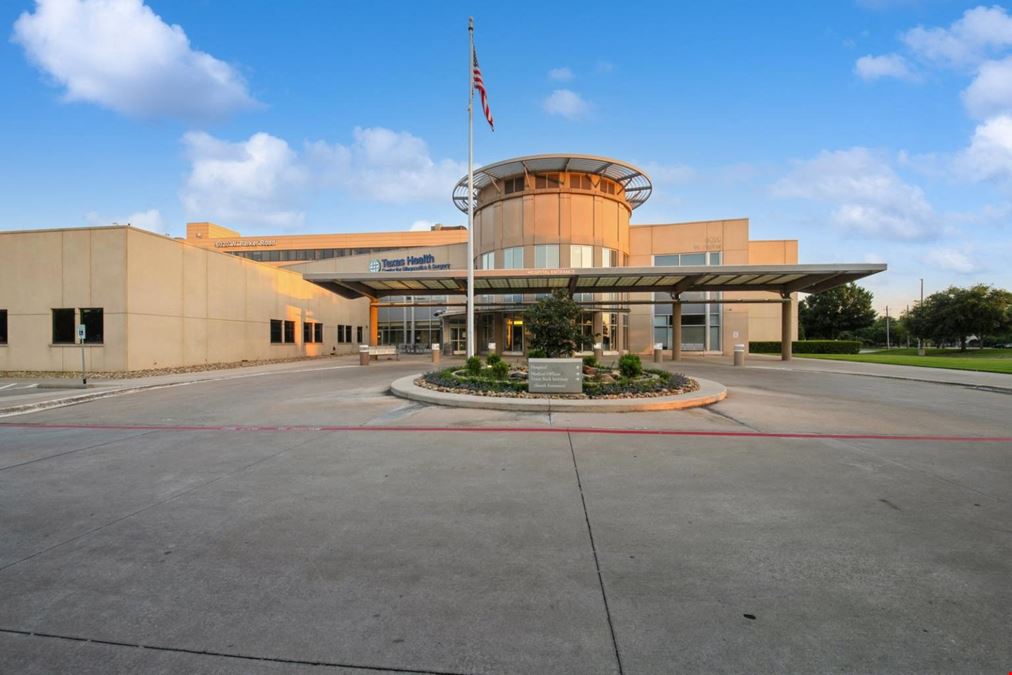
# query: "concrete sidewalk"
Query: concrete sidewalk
50,393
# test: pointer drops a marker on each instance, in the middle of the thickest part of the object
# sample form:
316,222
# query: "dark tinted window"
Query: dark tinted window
359,335
3,326
276,333
317,332
93,325
307,332
289,331
64,331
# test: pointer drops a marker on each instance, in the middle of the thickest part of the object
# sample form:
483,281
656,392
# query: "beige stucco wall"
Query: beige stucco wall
560,215
166,303
764,320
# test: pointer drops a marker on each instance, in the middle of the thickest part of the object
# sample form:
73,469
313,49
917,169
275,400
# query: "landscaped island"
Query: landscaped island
496,377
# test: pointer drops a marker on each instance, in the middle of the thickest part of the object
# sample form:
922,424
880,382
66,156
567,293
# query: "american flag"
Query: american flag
479,84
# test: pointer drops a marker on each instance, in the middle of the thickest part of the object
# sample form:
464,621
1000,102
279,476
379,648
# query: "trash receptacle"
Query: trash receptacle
739,355
658,347
363,355
435,352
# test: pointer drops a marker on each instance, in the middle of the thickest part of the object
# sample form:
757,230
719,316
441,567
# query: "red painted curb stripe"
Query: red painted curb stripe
260,428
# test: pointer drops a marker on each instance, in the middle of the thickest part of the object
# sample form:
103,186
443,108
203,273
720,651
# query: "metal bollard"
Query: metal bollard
491,348
739,355
363,355
658,347
435,352
598,351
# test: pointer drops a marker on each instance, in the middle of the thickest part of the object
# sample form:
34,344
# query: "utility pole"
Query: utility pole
888,344
920,343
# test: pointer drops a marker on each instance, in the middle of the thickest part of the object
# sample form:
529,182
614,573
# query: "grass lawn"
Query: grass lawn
990,360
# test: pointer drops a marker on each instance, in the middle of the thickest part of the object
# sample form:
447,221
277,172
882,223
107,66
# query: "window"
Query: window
307,332
488,260
276,332
359,334
580,182
92,318
63,327
581,256
606,186
547,181
513,258
317,332
546,256
347,333
511,185
609,257
3,326
289,331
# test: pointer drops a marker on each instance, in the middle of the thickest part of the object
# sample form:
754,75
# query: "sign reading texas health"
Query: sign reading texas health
410,263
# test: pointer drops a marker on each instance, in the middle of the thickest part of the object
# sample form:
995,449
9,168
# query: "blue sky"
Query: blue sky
877,130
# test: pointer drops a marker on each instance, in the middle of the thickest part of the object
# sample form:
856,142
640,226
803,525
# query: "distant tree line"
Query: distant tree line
949,317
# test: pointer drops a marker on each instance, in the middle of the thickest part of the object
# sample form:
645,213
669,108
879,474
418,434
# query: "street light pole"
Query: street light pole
888,343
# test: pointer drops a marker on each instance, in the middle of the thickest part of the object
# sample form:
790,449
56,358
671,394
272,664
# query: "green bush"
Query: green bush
630,365
493,359
590,361
537,354
808,347
500,369
474,366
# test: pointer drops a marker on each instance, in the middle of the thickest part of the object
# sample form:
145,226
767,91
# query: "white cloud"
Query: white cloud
257,181
563,74
146,220
950,260
889,65
264,181
421,226
980,31
669,173
566,103
989,156
385,165
121,55
868,197
990,92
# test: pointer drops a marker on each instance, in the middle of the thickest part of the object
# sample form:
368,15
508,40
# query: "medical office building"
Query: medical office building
542,223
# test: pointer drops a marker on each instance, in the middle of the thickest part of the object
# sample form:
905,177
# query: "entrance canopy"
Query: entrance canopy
783,279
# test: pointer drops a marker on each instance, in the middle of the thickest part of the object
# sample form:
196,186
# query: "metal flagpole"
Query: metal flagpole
470,189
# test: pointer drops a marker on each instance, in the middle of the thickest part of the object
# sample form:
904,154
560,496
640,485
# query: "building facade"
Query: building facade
148,301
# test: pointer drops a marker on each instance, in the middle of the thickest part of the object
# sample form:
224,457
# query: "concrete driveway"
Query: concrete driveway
308,522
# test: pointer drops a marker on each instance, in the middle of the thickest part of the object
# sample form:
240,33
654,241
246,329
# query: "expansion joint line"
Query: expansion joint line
224,655
597,562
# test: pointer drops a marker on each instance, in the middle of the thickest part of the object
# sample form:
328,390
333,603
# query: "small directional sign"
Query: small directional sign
80,332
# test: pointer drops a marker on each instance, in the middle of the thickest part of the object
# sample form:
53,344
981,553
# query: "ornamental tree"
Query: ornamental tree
553,323
844,308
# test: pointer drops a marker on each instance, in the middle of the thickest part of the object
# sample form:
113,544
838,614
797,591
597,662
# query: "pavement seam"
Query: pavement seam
912,469
597,562
70,452
151,506
227,655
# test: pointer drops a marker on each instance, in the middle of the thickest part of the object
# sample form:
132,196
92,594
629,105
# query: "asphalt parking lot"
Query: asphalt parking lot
308,522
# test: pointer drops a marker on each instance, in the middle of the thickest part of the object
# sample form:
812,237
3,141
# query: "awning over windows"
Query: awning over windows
781,279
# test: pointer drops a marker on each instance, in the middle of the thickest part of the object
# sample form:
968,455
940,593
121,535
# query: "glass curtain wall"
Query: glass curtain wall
701,320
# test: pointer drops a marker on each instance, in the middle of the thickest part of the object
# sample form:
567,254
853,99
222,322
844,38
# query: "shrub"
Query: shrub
808,347
537,354
552,323
590,361
474,366
493,359
630,365
500,370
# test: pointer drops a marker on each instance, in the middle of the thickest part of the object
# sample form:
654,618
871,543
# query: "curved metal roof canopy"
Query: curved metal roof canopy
633,180
782,279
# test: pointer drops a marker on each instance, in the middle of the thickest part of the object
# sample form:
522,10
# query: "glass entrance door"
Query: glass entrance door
514,334
458,339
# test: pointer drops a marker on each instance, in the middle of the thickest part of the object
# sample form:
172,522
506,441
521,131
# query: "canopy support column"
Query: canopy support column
374,322
785,327
676,330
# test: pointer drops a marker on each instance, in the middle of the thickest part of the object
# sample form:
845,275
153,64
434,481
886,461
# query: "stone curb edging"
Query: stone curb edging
51,403
709,392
